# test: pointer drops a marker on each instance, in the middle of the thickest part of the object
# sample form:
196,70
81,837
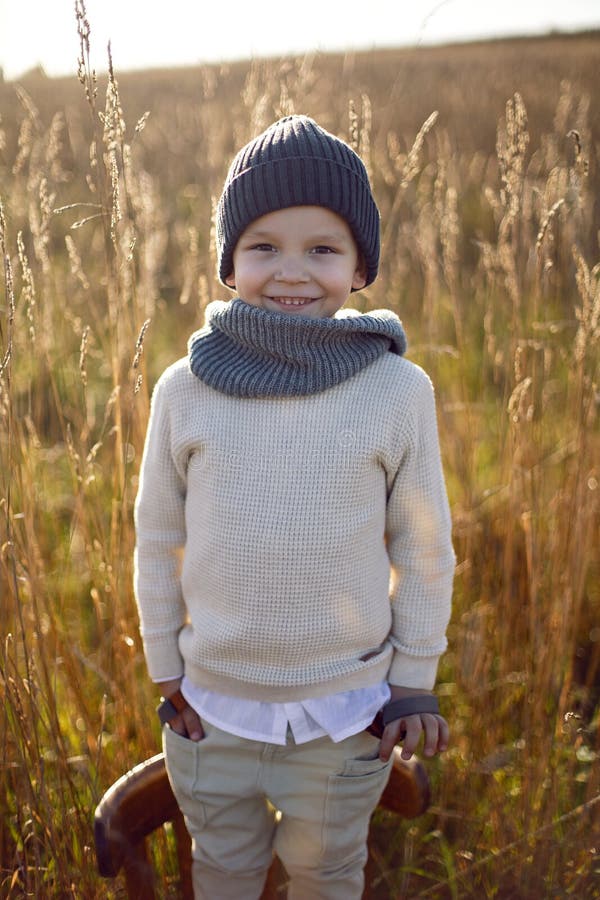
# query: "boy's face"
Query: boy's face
301,260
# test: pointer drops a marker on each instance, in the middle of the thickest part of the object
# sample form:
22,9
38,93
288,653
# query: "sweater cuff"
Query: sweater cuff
164,661
413,671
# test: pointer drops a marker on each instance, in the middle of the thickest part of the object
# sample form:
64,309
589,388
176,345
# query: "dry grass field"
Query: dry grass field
485,164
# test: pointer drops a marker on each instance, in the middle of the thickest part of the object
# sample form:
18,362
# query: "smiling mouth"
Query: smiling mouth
293,301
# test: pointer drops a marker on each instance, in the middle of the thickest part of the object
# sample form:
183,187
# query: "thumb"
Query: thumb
193,724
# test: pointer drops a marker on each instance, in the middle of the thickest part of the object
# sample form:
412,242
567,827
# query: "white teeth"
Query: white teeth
293,301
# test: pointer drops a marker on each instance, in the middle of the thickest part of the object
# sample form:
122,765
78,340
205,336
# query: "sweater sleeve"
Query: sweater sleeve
160,537
418,531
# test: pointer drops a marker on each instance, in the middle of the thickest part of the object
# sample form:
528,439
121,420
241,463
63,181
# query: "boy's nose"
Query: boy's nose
290,269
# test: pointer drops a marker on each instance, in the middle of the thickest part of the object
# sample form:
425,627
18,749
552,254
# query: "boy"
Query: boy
294,460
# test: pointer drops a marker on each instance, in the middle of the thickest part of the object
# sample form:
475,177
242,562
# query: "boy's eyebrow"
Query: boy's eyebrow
316,237
257,232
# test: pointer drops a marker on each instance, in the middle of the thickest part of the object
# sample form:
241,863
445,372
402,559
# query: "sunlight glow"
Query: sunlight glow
150,34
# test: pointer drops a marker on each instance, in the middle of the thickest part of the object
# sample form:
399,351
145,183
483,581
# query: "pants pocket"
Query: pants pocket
352,796
182,758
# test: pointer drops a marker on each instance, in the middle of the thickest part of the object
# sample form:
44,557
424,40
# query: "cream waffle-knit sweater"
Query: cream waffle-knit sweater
294,547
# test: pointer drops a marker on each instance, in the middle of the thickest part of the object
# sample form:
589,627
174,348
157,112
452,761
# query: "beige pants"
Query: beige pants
229,789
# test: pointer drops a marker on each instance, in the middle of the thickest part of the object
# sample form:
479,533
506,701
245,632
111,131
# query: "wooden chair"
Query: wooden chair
142,801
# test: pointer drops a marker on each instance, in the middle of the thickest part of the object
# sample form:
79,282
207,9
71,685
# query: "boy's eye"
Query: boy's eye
263,247
322,248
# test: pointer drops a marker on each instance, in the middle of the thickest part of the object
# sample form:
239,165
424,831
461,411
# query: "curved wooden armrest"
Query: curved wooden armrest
132,808
407,792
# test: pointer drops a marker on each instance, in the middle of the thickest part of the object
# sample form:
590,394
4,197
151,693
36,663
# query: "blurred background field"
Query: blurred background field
485,164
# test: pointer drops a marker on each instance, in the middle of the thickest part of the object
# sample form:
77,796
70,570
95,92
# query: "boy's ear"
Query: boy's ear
230,280
360,275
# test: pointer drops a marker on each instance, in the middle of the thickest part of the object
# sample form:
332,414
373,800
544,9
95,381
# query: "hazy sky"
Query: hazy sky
149,33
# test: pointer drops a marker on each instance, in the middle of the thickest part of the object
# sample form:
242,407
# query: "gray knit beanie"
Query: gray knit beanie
295,162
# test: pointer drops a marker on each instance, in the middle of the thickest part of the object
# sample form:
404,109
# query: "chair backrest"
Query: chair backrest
142,801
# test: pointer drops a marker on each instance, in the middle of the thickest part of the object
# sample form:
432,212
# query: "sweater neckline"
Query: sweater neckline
244,351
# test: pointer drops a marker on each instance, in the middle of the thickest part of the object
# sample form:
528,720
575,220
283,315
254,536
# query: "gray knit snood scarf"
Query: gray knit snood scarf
245,351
